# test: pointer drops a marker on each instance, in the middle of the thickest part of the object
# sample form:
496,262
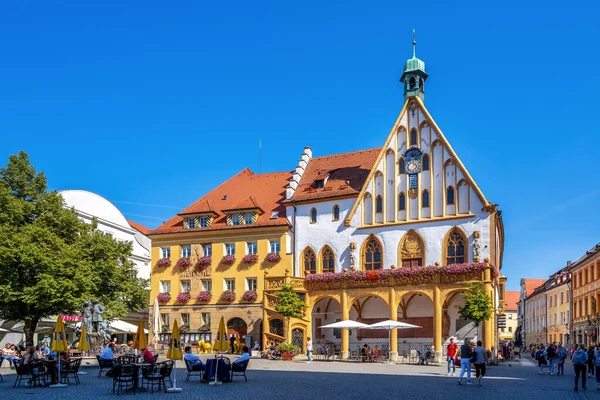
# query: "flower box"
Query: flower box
184,329
204,262
288,351
250,259
183,297
163,297
228,260
204,295
273,257
163,263
249,295
228,295
183,262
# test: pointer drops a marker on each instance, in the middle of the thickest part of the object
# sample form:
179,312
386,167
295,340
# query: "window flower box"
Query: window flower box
183,262
204,262
163,297
249,295
184,329
250,259
273,257
204,295
163,263
204,329
183,297
228,295
228,260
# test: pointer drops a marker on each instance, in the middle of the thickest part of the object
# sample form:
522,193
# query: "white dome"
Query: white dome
94,205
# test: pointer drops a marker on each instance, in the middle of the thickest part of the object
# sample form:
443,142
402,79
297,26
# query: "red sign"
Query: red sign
71,318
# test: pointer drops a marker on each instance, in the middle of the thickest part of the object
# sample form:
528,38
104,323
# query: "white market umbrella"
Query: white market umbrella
346,324
389,325
156,323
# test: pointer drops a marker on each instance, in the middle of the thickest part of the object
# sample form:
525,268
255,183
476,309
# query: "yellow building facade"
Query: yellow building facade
559,307
585,274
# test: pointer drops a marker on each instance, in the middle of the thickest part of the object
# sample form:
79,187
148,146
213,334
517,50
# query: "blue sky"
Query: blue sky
149,103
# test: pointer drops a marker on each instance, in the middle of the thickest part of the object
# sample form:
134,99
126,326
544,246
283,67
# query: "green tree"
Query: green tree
478,304
51,261
289,305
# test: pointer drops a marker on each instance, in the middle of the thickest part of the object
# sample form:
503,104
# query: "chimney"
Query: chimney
569,263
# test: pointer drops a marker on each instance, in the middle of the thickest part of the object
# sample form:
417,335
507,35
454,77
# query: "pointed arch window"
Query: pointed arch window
401,201
335,213
379,204
425,162
313,215
412,250
402,166
425,198
413,82
450,195
309,261
328,260
455,247
372,255
413,138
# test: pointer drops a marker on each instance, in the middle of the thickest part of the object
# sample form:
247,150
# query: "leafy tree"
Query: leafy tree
289,305
478,304
51,261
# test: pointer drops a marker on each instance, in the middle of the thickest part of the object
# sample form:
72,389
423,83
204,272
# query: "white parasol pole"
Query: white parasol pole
58,384
174,389
216,382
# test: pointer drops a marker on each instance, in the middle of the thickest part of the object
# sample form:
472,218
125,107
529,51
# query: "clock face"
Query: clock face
413,167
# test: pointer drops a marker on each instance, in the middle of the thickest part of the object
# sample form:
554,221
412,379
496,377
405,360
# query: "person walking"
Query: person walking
452,351
590,362
597,366
580,359
550,355
465,361
561,356
480,361
309,348
541,359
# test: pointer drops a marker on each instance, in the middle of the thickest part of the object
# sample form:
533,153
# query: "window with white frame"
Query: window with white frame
251,284
165,319
165,252
206,250
185,319
186,251
229,284
275,246
165,286
204,222
235,219
206,318
230,249
248,218
186,286
252,247
206,285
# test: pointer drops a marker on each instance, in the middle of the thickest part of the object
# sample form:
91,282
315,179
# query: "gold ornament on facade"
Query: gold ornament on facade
412,246
412,193
476,234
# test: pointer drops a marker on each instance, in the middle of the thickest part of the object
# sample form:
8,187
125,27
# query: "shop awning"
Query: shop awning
118,326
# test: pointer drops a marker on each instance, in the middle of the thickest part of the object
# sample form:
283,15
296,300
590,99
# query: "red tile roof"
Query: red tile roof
139,227
511,299
346,174
532,284
248,203
267,191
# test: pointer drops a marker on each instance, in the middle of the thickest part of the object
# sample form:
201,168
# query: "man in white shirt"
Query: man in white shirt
193,359
245,356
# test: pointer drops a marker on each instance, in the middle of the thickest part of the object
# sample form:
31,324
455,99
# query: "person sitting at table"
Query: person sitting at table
256,347
44,350
10,353
147,355
193,359
108,353
245,356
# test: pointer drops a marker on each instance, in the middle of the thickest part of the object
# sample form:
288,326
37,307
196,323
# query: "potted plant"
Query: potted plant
204,328
163,263
288,351
165,328
249,295
183,297
250,259
228,295
204,295
183,262
184,328
204,262
230,259
273,257
163,297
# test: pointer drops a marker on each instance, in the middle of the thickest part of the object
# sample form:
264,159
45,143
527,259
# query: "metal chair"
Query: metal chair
39,375
70,370
124,376
104,364
152,376
240,368
127,359
21,372
192,372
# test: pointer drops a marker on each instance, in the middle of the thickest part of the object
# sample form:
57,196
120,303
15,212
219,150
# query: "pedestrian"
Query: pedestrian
561,356
232,342
480,361
550,355
597,366
465,361
590,362
539,356
452,350
309,348
580,359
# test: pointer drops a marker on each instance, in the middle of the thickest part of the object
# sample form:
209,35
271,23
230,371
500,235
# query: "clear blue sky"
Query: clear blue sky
157,102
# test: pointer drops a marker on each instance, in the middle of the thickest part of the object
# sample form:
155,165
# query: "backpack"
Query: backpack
539,355
579,357
550,352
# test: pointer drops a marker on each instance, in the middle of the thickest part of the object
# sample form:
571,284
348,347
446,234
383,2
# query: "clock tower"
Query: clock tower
414,75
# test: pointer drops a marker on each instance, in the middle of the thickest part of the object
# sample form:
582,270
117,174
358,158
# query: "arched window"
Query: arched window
335,213
412,250
421,83
379,204
425,199
402,166
455,247
313,215
372,254
327,260
450,195
413,137
413,82
425,162
309,261
401,201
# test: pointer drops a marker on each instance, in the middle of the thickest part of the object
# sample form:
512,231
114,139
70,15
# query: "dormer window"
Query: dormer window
320,183
191,223
235,219
248,218
275,214
204,222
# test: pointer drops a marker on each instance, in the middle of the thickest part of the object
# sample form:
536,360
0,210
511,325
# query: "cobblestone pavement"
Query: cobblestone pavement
335,380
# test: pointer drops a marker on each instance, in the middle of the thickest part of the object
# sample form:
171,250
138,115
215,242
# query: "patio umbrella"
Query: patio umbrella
156,324
59,345
346,324
84,344
389,325
221,340
139,341
174,354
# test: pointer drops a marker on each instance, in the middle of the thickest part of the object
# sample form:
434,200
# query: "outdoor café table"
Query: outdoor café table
140,366
50,365
211,365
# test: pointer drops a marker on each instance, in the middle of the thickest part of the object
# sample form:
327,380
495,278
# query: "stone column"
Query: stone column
488,326
437,323
265,323
393,332
345,333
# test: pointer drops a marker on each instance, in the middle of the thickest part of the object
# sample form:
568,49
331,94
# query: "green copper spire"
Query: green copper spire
414,75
